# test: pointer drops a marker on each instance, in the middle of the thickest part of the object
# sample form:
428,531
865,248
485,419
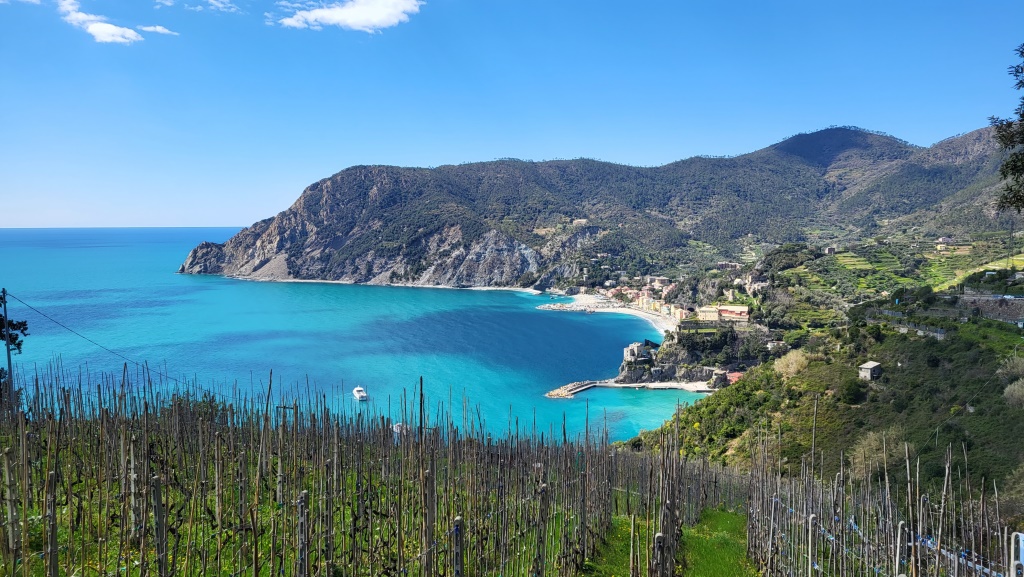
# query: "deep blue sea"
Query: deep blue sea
492,349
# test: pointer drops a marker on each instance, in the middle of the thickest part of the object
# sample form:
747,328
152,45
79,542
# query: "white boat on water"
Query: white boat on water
360,394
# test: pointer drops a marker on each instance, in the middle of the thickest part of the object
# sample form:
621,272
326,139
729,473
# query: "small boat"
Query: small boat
360,394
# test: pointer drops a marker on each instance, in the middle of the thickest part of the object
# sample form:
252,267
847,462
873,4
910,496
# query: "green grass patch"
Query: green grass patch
612,557
806,278
1017,261
886,261
853,262
717,546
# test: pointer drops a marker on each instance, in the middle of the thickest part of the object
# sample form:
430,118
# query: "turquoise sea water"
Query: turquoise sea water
493,349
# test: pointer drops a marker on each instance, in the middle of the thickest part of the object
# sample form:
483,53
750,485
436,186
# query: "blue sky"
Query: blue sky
219,112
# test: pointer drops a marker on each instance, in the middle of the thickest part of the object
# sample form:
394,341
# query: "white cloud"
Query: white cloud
294,6
106,32
364,15
25,1
162,3
222,5
97,26
157,29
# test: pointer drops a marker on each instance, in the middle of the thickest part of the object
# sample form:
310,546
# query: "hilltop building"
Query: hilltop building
639,351
870,371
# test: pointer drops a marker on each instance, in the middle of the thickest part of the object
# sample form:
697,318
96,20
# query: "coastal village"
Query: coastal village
646,297
649,300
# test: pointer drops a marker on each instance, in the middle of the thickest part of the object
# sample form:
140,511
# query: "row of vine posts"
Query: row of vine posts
135,475
800,525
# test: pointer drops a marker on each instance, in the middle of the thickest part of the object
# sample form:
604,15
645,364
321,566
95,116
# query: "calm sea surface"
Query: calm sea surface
492,349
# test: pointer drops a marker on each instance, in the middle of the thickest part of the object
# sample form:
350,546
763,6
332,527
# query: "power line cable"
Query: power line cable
119,355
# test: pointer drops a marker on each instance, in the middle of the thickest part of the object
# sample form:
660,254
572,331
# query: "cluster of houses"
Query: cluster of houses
647,299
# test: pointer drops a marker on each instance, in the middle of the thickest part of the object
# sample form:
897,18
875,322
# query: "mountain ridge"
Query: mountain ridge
516,223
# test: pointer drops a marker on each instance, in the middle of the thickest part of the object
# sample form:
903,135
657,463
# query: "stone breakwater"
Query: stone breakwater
567,391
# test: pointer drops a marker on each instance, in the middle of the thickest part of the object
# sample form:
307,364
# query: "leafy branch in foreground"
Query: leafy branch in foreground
1010,134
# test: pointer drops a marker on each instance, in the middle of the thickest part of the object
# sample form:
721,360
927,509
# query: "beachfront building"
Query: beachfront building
707,314
673,311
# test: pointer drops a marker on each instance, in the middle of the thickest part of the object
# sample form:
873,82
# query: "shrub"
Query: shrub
853,391
1011,369
795,339
866,454
1014,393
792,363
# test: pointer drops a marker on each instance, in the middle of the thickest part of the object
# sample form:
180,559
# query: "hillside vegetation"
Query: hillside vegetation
950,376
511,222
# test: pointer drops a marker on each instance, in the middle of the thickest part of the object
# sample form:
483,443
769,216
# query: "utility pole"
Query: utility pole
1009,257
7,403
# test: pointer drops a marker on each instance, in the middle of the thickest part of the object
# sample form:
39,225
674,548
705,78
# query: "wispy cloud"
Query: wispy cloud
222,5
25,1
97,26
157,29
162,3
364,15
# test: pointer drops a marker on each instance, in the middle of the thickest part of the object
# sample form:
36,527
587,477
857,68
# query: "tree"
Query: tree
1010,134
11,333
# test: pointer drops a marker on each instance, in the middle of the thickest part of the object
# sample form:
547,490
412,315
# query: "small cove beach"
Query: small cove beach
599,304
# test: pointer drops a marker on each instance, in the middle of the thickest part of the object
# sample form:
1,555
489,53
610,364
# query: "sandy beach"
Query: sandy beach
600,304
693,387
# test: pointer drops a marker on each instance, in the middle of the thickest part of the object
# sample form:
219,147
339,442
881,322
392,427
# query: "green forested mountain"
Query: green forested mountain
511,222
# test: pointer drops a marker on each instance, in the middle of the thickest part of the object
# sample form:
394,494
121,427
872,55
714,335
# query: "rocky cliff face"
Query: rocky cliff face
342,229
493,260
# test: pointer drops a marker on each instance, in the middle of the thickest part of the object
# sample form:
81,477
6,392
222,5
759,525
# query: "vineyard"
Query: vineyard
855,525
133,477
125,478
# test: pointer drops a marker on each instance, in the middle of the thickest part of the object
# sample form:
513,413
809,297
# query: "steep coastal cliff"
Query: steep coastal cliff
385,225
